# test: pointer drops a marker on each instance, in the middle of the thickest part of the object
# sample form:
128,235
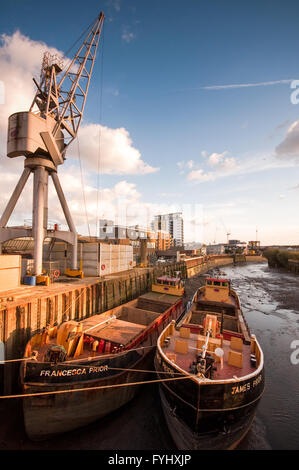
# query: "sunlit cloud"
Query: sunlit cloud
127,35
289,147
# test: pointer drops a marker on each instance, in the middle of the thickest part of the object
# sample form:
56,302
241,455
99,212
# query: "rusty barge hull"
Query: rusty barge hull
213,408
225,429
209,416
49,415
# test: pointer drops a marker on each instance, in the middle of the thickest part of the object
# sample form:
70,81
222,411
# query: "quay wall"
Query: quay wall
293,266
256,258
40,306
204,265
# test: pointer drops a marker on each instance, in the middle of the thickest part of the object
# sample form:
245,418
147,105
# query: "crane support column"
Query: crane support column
14,197
13,200
40,183
45,218
143,251
68,217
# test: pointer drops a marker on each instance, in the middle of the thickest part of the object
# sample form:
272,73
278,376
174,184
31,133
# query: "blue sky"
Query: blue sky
214,147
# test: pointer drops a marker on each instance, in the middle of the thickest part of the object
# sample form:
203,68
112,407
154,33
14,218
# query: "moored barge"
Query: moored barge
223,363
92,361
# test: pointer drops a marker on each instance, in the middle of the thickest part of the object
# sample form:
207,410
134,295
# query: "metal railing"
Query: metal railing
51,225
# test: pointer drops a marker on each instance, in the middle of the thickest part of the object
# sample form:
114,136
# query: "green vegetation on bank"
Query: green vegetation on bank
280,258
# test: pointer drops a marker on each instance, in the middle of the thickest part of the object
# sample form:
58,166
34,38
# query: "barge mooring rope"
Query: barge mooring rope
146,371
89,358
16,360
107,356
101,387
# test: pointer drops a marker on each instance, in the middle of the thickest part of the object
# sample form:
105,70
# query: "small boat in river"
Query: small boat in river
223,365
79,371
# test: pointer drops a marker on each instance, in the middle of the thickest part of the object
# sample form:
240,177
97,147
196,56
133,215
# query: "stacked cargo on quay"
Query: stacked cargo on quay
224,368
78,372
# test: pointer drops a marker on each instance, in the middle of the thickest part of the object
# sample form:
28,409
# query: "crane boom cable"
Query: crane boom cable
100,131
83,186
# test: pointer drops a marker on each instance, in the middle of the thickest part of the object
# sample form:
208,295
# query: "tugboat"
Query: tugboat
169,285
80,371
223,363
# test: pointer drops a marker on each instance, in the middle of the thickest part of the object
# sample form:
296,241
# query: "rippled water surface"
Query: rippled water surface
270,302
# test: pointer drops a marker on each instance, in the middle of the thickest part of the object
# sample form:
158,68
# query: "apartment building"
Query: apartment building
172,223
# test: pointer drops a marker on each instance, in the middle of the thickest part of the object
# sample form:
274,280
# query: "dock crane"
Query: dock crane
227,236
43,135
227,232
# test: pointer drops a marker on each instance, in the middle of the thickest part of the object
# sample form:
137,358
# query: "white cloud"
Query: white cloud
20,60
115,4
289,147
112,147
230,166
170,195
105,203
2,92
199,175
112,203
215,158
127,35
220,161
228,163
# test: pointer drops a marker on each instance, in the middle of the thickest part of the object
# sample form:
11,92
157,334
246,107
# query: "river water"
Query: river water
270,302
